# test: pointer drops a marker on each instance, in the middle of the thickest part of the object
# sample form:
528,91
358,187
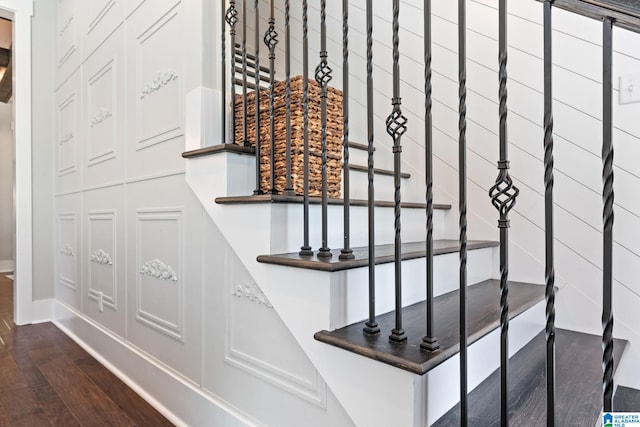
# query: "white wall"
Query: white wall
6,188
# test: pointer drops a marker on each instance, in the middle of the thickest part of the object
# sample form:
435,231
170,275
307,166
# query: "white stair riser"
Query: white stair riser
383,186
350,288
287,226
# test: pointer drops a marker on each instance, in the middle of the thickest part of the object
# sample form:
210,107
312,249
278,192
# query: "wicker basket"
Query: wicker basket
334,137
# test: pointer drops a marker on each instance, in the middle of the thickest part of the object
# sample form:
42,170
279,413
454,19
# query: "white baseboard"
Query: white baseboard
6,266
42,311
179,400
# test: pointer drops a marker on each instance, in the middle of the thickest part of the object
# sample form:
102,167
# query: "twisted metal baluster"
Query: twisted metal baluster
371,326
396,127
288,189
271,40
503,197
607,215
223,82
550,275
258,190
429,341
306,249
323,77
462,172
232,19
346,252
245,106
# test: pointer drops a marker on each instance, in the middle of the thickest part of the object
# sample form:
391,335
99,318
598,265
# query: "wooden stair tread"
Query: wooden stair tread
277,198
384,254
358,146
378,171
578,385
218,148
626,399
483,317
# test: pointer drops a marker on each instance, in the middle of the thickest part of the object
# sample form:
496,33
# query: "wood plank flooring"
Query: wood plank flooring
46,379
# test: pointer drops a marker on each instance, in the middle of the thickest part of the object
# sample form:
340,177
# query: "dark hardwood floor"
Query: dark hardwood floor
46,379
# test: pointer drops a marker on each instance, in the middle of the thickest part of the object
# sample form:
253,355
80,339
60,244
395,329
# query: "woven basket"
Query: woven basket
334,137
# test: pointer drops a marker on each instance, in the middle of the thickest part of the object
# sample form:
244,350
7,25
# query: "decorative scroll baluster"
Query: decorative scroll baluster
396,127
550,275
271,40
429,341
288,189
346,252
232,19
245,130
305,250
371,326
503,197
462,173
257,93
323,77
223,79
607,215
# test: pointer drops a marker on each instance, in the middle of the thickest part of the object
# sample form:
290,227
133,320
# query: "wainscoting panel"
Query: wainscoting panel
68,251
104,257
68,138
156,55
103,113
68,40
163,272
99,19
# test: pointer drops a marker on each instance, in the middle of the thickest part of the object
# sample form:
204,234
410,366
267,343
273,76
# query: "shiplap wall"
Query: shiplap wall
578,135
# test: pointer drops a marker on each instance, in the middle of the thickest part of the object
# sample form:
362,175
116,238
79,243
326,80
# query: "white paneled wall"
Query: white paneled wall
142,275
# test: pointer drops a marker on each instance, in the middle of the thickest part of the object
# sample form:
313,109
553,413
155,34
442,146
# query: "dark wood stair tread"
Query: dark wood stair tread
378,171
358,146
219,148
626,399
278,198
483,317
578,385
384,254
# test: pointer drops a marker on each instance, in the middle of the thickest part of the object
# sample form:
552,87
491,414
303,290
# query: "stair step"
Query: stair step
358,146
378,171
277,198
626,399
578,385
384,254
483,317
219,148
252,74
250,85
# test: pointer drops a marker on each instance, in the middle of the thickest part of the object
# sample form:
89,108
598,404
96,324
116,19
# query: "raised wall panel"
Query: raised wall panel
103,113
104,257
68,251
68,40
163,272
69,136
156,52
100,19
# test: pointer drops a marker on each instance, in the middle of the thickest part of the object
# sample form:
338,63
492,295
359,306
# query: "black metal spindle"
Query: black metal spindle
258,190
223,78
232,19
243,47
396,127
371,326
288,189
462,203
346,252
429,341
271,40
550,275
305,250
503,197
323,77
607,215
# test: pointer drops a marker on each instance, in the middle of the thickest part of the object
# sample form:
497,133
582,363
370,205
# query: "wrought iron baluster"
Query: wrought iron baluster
288,189
258,190
245,106
223,78
371,326
550,275
396,127
323,77
305,250
429,341
271,40
462,203
503,197
346,252
607,214
232,19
